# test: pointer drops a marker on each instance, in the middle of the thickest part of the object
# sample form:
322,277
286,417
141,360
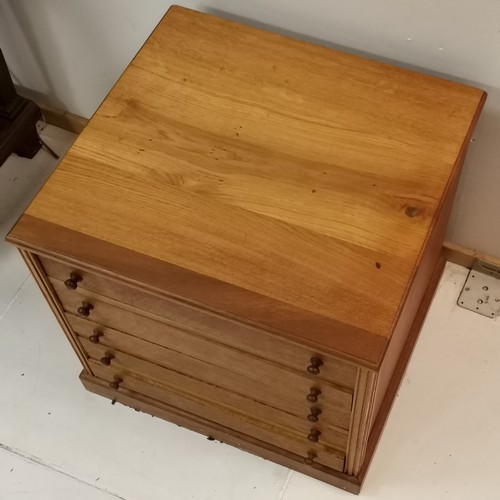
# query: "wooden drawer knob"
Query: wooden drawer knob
313,416
116,383
309,460
106,359
96,335
312,397
313,368
314,435
73,280
84,309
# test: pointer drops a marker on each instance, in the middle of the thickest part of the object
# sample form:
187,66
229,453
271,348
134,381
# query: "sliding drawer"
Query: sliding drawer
256,426
214,326
333,436
262,380
284,391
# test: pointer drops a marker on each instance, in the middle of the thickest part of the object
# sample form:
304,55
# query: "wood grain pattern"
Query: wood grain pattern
423,275
278,391
183,316
159,336
233,401
240,203
397,375
301,326
250,180
225,434
288,439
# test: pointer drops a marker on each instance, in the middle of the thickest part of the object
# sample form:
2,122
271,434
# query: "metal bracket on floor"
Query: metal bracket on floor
481,291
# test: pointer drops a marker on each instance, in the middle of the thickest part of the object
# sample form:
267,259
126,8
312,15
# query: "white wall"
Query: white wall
70,52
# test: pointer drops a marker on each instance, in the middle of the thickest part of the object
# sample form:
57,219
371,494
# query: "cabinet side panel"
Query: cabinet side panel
380,419
423,277
43,282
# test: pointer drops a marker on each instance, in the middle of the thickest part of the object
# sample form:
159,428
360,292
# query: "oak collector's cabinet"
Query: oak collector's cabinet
245,238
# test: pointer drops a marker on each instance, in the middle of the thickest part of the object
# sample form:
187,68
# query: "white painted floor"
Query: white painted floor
59,442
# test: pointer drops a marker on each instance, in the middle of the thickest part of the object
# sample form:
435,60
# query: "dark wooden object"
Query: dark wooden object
18,117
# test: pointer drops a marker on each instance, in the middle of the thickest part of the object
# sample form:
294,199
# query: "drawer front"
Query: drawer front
215,362
282,437
245,375
220,396
206,323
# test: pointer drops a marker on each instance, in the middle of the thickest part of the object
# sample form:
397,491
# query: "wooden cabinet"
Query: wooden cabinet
245,238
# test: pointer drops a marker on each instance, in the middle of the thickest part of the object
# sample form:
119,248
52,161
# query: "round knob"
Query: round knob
312,397
84,309
116,383
96,335
106,359
73,280
313,368
313,416
309,460
313,436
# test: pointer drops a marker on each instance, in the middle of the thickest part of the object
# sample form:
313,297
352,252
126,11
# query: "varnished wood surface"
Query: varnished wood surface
233,401
318,332
277,391
150,335
251,424
225,434
267,164
184,316
237,179
184,351
424,273
390,393
181,317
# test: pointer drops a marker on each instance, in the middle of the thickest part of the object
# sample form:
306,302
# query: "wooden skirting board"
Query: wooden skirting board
464,256
457,254
63,119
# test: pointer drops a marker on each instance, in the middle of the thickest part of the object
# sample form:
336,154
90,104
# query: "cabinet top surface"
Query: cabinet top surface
302,175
